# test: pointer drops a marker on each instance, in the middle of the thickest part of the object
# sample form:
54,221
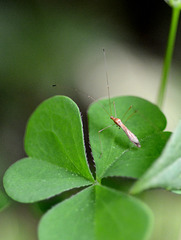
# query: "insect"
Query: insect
130,135
116,120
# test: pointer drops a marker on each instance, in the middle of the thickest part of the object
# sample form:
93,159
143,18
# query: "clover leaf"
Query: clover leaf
119,156
56,156
97,213
166,171
56,162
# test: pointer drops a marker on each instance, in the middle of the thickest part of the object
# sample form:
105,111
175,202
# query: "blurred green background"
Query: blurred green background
45,43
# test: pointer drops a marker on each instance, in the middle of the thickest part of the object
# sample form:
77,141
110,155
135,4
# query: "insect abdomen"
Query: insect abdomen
130,135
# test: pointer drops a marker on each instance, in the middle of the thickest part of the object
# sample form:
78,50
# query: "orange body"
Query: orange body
130,135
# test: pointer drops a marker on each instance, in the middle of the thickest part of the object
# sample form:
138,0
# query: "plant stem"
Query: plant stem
168,55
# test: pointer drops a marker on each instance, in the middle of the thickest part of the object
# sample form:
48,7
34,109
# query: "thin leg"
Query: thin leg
100,137
130,116
100,144
126,112
105,128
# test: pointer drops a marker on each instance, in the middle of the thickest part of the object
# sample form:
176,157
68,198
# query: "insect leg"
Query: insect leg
126,112
100,137
130,116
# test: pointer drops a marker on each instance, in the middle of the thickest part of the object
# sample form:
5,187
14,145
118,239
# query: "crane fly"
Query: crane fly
116,120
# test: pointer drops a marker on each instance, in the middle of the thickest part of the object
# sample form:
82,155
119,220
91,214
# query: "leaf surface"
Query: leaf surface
57,160
119,156
30,180
135,163
166,171
97,213
54,134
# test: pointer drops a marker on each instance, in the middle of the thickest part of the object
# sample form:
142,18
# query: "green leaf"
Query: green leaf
4,200
119,216
54,134
166,171
54,144
97,213
147,124
135,163
71,219
30,180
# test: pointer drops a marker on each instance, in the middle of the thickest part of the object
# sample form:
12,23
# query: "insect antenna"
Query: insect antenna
107,81
115,109
94,99
99,104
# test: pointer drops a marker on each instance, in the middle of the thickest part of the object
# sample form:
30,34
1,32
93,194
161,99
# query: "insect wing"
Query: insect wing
131,136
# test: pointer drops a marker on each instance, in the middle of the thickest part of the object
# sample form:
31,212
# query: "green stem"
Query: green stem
168,56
